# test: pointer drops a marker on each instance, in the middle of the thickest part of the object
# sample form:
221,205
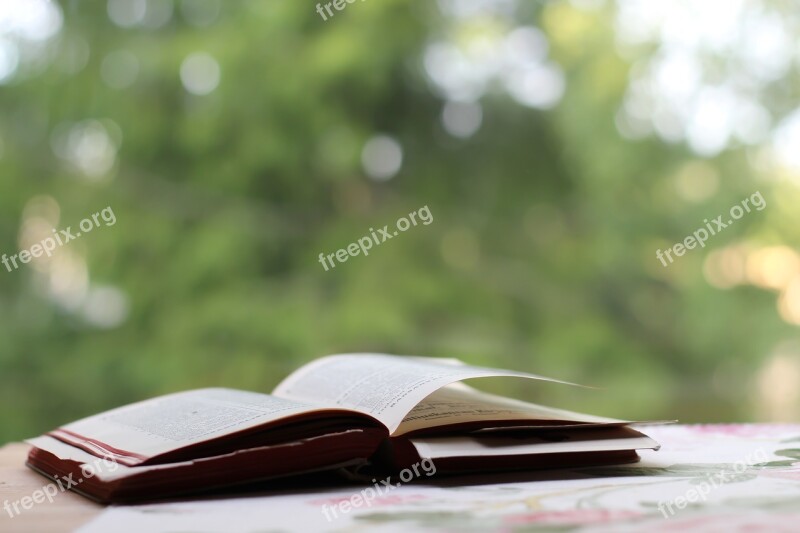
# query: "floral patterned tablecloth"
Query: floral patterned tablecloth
743,477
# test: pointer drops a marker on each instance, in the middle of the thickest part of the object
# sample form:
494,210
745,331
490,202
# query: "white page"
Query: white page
436,448
159,425
384,386
459,403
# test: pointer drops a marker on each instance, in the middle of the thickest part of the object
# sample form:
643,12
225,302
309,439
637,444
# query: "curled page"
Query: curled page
387,387
459,403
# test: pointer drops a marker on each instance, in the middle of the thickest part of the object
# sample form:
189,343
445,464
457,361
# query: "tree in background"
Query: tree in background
558,145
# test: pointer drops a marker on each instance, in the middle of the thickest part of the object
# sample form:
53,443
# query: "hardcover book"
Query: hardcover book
358,414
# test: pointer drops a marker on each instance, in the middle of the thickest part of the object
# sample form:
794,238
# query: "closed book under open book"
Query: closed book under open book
359,412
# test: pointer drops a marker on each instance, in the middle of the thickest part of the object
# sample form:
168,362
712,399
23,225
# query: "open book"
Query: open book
360,412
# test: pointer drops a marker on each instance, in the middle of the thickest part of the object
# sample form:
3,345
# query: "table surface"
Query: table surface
741,477
67,512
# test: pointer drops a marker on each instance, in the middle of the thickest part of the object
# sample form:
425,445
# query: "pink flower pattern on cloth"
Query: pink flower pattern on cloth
705,478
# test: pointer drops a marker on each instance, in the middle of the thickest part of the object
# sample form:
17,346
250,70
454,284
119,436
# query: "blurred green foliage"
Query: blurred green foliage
541,255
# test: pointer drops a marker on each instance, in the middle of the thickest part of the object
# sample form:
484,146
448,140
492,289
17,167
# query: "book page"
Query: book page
384,386
104,469
614,439
459,403
167,423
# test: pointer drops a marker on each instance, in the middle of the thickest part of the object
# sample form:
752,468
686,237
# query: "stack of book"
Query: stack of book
353,413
